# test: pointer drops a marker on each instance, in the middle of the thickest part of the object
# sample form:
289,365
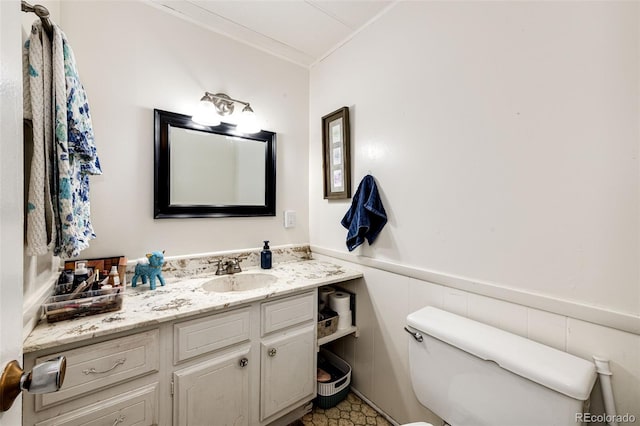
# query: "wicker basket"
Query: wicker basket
327,326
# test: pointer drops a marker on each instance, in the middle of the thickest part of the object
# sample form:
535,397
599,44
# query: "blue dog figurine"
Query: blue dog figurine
152,269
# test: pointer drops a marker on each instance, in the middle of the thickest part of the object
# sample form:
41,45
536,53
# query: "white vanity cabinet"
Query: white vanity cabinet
287,369
287,353
215,390
248,365
114,382
136,407
261,363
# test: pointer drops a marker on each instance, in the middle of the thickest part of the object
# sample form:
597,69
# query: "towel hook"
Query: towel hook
42,13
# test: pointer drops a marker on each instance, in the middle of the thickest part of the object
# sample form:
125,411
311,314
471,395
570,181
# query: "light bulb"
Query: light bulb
248,121
206,113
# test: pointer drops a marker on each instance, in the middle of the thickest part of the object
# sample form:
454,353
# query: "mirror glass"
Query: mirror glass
211,171
199,158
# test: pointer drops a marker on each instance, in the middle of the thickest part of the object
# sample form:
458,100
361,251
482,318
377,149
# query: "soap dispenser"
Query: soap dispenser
265,256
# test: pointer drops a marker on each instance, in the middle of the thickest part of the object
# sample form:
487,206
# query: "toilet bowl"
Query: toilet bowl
418,424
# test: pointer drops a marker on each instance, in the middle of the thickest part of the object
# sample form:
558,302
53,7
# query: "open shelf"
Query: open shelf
338,334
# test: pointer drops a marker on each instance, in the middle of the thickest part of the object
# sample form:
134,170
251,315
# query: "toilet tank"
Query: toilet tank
470,373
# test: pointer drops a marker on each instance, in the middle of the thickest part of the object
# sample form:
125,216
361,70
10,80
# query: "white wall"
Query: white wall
504,139
132,58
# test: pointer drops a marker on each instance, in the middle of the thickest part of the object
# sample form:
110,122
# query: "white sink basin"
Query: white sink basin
239,282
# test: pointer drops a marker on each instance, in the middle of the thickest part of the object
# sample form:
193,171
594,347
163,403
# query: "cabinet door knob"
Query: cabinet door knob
272,352
244,362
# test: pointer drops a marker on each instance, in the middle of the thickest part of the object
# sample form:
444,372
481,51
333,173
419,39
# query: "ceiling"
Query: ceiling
301,31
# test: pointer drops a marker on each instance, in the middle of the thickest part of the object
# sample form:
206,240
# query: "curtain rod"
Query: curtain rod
43,14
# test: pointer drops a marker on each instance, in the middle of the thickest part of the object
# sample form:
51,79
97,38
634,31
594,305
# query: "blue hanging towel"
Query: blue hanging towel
366,217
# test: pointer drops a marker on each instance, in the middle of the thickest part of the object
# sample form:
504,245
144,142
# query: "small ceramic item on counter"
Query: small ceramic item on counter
151,267
265,256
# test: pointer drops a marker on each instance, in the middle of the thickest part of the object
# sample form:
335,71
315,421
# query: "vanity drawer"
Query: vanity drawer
203,335
284,313
138,407
91,368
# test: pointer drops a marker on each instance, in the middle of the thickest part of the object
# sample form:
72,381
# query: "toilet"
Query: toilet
472,374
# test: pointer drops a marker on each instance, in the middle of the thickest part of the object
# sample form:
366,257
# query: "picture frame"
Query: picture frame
336,147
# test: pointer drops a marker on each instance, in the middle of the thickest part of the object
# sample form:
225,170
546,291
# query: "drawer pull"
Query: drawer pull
244,362
119,420
94,371
272,352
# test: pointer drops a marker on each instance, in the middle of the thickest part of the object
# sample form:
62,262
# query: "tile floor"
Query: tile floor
351,411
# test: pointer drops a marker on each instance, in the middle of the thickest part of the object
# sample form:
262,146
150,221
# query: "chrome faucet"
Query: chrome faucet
230,266
234,266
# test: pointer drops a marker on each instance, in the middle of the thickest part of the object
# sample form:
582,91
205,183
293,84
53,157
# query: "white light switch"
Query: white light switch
289,218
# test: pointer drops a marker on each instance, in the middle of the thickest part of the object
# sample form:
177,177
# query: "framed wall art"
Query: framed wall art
336,154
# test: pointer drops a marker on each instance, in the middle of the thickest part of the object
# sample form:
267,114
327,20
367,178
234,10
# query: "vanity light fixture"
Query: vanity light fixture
213,106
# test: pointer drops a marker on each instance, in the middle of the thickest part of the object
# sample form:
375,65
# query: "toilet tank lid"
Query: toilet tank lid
555,369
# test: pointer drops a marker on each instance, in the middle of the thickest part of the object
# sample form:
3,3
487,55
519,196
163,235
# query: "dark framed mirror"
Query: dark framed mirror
211,171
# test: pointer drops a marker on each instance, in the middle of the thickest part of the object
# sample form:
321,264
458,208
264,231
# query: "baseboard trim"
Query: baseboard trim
594,314
374,406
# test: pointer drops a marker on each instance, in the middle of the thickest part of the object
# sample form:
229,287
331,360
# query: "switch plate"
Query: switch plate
289,218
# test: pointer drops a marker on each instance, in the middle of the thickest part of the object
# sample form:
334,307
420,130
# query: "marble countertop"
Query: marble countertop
181,298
